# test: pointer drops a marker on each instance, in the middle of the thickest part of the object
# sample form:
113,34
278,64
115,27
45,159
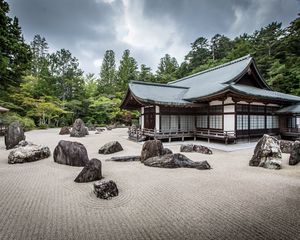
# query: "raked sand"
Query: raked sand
40,200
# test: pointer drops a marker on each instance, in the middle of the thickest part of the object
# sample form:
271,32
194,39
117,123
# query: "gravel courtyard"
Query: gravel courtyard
40,200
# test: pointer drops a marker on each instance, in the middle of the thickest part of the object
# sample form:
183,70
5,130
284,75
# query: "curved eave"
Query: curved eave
130,97
245,70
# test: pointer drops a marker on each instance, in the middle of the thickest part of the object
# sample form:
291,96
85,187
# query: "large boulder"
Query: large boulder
176,160
28,153
106,189
125,159
70,153
267,153
91,172
64,131
195,148
79,129
110,147
295,154
151,148
14,135
286,146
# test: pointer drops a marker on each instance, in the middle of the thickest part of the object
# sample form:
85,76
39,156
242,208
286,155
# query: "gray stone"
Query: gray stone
151,148
106,189
70,153
28,153
110,147
167,151
79,129
176,160
14,135
23,143
267,153
195,148
87,131
286,146
91,172
125,159
295,154
64,131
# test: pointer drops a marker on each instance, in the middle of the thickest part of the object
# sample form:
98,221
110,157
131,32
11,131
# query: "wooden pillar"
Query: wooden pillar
142,123
157,118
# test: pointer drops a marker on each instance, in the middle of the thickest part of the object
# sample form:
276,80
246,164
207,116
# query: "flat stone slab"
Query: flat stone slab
125,159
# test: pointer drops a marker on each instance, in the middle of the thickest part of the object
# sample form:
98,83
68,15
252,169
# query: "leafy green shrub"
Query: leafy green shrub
43,126
26,122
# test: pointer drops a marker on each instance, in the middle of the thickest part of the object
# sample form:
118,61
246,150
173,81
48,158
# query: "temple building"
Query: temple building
228,102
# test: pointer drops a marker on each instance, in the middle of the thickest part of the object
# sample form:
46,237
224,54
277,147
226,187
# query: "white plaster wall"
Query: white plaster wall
157,123
242,102
215,103
228,100
298,121
228,108
272,105
257,103
229,122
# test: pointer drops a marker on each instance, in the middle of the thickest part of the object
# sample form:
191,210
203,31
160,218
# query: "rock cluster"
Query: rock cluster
176,160
28,153
267,153
195,148
14,135
295,154
91,172
70,153
110,147
106,189
78,129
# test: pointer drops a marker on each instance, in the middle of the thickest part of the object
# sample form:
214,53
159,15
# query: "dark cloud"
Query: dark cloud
150,28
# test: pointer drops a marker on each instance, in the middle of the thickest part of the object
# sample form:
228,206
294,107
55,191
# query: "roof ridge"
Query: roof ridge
213,68
157,84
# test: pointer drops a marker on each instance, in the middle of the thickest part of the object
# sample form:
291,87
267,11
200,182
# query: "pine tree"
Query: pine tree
107,82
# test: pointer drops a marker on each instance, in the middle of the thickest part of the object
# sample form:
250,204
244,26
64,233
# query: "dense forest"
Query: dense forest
45,89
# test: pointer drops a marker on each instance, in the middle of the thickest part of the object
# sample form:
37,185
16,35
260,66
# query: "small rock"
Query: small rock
125,159
187,148
23,143
295,154
267,153
110,147
91,172
106,189
64,131
151,148
70,153
286,146
176,160
14,135
78,130
28,153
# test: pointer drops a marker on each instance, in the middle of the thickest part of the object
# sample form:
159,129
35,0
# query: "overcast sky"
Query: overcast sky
149,28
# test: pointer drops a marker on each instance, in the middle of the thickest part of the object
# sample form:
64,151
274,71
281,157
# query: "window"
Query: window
215,121
242,122
202,121
242,108
174,123
187,123
169,123
272,122
257,109
216,109
257,121
291,121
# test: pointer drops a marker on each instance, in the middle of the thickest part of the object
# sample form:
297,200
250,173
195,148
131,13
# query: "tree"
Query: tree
145,74
39,49
67,76
199,53
127,70
107,81
220,46
166,70
15,54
